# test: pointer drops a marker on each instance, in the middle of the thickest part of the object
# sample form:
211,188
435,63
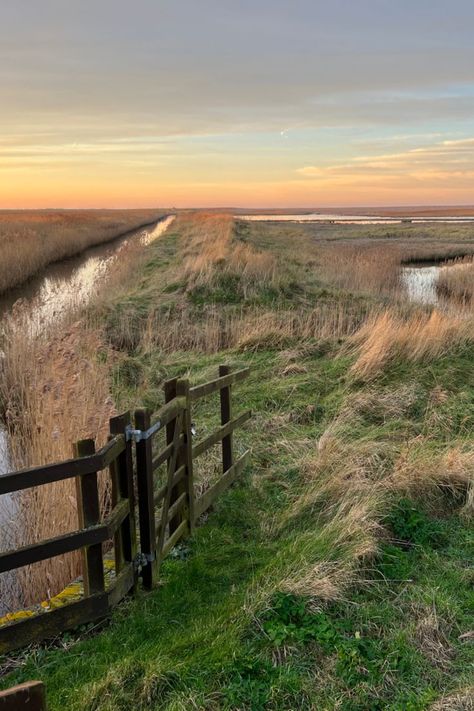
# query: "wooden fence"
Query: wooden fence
158,475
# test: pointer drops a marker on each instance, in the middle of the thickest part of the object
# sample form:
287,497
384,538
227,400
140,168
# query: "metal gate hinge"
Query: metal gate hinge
140,435
142,559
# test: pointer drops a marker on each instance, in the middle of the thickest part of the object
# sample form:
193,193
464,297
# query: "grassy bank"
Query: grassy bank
336,574
32,239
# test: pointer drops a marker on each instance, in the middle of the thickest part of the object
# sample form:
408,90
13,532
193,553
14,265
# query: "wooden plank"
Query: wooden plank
48,625
219,487
174,538
166,453
160,494
117,516
226,416
169,411
124,582
219,434
169,390
213,386
88,512
185,457
146,506
110,451
26,555
177,505
70,468
116,499
125,543
30,696
166,501
176,488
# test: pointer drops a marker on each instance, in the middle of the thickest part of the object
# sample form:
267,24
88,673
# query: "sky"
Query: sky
258,103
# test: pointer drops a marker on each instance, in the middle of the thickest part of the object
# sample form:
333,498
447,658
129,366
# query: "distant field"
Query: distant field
32,239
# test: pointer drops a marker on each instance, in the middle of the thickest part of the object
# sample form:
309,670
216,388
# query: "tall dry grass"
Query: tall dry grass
55,391
419,336
178,329
208,247
30,240
456,282
365,268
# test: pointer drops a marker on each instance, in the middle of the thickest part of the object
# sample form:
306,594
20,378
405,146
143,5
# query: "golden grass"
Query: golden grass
254,328
29,240
417,337
207,245
55,391
456,282
462,700
363,268
55,388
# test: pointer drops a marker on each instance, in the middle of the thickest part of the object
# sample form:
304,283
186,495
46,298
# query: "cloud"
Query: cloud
442,162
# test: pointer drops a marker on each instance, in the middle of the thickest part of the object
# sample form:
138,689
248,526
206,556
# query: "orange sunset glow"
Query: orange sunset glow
137,109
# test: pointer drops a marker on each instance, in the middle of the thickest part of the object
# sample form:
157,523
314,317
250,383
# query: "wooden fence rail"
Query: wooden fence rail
30,696
167,507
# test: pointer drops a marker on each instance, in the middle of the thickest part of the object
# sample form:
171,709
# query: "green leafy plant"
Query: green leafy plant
411,525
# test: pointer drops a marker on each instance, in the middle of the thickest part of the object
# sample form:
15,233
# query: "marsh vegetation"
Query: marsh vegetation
335,575
32,239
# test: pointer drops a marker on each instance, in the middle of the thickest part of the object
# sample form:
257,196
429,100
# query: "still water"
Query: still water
420,283
353,219
72,283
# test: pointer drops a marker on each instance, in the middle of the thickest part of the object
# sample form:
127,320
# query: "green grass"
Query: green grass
222,632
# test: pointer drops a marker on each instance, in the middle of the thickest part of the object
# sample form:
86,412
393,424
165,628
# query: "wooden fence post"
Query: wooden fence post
226,416
30,696
146,503
125,543
186,458
88,509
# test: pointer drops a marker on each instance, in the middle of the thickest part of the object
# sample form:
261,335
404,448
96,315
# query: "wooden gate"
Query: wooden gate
175,499
168,506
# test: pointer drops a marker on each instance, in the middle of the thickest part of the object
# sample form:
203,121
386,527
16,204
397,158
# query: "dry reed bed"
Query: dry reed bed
216,329
56,391
55,386
423,335
375,268
456,282
366,268
30,240
208,247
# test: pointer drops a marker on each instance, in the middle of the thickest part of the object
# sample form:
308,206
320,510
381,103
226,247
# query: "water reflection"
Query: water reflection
420,284
338,219
69,285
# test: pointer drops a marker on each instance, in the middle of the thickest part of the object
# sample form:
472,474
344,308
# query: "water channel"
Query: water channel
60,288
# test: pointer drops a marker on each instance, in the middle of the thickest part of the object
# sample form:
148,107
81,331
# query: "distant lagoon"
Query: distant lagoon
355,219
